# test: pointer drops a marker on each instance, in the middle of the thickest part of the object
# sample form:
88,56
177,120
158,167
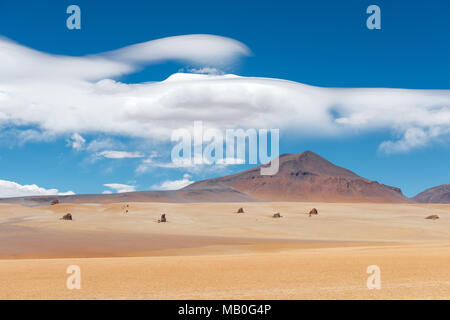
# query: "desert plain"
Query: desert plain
209,251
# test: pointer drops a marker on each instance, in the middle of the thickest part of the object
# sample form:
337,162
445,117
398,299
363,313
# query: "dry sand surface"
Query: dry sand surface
208,251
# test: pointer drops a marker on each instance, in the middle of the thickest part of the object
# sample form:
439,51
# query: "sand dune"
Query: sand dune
208,251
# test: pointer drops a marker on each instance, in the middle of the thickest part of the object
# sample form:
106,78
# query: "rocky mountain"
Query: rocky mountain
305,176
439,194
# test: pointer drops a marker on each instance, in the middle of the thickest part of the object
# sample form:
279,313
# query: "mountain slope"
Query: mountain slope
439,194
305,177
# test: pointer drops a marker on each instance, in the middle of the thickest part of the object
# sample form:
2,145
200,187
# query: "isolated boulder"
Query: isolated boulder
240,210
313,211
67,217
56,201
276,215
163,218
433,217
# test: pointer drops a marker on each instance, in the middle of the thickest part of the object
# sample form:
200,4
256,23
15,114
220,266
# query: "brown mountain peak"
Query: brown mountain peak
304,176
308,162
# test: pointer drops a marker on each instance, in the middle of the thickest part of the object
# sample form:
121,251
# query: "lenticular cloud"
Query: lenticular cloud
62,95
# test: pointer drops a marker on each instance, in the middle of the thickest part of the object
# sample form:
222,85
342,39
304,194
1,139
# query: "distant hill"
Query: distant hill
302,177
223,195
439,194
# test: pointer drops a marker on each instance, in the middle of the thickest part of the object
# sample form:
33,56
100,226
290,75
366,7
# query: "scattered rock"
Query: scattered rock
67,217
276,215
56,201
240,210
163,218
433,217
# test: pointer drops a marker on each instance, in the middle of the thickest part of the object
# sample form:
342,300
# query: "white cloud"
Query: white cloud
147,164
195,48
77,142
174,184
10,189
34,87
413,138
67,193
195,164
204,70
101,144
120,188
230,161
107,192
112,154
21,63
19,136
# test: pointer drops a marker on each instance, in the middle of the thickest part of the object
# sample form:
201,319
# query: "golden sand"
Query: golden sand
207,251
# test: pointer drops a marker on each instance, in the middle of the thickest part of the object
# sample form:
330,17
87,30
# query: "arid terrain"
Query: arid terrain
208,251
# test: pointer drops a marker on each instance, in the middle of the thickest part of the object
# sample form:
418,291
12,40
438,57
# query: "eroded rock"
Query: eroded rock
67,216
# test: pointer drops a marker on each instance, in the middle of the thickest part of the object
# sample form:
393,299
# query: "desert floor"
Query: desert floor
208,251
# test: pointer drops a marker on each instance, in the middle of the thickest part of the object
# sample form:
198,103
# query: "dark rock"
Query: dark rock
276,215
67,217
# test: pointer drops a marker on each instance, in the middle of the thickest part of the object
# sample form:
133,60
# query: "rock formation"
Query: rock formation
67,216
313,212
276,215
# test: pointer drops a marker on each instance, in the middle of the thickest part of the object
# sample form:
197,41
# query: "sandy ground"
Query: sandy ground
207,251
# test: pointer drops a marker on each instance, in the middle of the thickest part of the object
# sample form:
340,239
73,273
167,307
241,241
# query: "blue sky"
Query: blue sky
319,43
